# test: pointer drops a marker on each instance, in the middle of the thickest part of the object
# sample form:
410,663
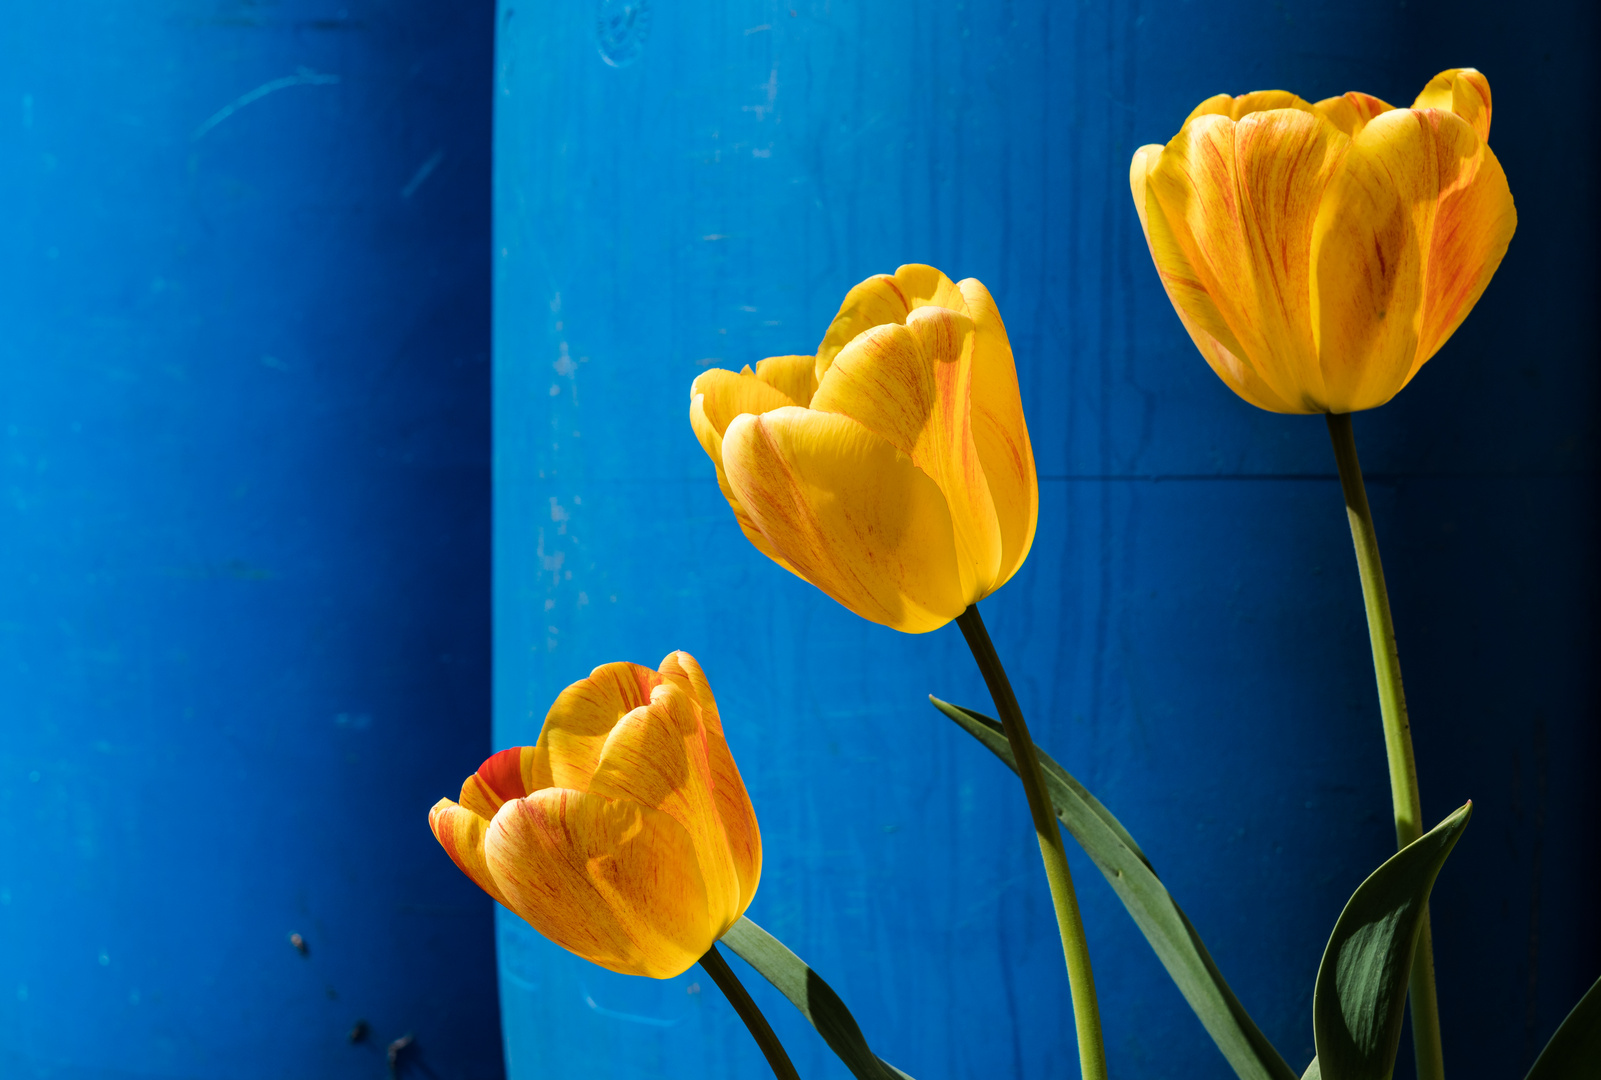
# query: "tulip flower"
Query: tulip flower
892,469
624,834
1320,254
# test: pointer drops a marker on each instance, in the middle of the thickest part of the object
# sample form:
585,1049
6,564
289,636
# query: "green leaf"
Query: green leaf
814,998
1164,925
1312,1072
1361,984
1575,1050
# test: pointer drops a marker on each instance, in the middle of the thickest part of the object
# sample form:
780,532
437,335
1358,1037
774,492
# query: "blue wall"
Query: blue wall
1188,634
244,536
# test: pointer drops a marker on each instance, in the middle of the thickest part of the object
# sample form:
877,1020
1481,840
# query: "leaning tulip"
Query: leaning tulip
893,469
1320,254
624,834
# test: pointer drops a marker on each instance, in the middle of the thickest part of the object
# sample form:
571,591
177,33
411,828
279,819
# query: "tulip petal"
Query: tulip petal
911,385
684,672
726,394
1000,431
874,302
1229,214
1237,108
1181,284
581,720
728,787
716,397
461,833
1216,105
793,376
657,756
509,774
851,513
1139,169
1471,230
886,298
1463,91
1413,228
610,880
927,286
1351,112
1190,180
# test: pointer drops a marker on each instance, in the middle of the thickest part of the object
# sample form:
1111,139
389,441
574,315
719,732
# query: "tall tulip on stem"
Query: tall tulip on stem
1319,254
893,471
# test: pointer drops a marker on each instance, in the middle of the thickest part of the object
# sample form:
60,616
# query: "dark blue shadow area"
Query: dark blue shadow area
244,588
1188,634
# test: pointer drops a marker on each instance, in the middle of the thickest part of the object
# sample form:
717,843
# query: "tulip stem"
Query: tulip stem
1080,979
760,1029
1404,795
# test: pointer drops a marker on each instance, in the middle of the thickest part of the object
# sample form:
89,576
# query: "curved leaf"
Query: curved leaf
1164,925
1575,1050
814,998
1362,982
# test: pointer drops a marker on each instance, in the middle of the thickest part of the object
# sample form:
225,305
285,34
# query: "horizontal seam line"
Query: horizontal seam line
1370,477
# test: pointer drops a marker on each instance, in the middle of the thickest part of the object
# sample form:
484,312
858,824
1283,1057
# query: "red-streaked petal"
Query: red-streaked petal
1468,235
509,774
461,833
1237,203
612,881
1182,285
1412,231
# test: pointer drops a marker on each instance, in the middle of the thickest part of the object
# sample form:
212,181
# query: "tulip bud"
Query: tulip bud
624,834
893,470
1320,254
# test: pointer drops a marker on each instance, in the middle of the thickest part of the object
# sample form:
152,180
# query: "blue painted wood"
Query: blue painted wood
701,185
244,622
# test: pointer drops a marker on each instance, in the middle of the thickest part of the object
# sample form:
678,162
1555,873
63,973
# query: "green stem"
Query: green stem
1397,732
1080,979
760,1029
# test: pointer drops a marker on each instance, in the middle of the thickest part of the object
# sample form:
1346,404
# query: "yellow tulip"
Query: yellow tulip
1319,254
892,469
624,834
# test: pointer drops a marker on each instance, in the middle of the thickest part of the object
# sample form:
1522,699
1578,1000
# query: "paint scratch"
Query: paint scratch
303,76
632,1018
424,171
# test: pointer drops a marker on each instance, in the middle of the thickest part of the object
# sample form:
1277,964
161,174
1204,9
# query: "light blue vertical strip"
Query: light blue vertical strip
681,186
